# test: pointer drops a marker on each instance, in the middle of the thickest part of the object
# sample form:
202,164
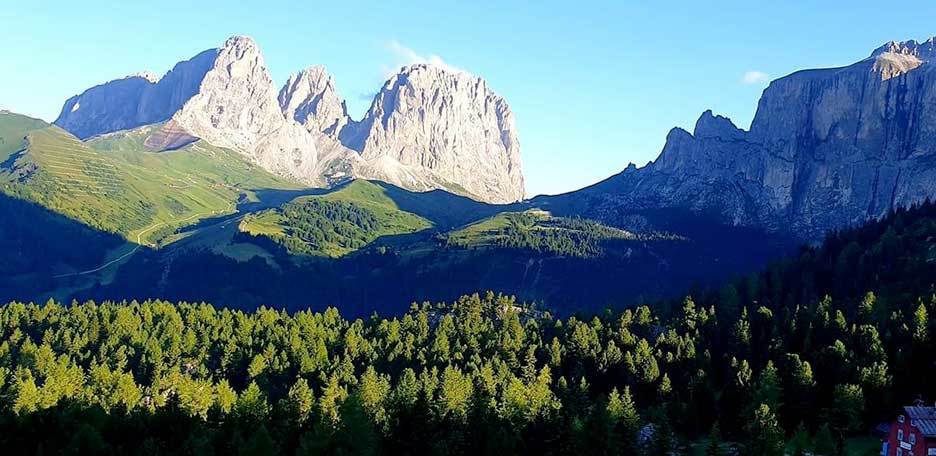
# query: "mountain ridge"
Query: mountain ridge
827,149
226,97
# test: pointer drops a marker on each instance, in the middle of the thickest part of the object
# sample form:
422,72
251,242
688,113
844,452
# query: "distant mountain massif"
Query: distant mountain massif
210,183
427,128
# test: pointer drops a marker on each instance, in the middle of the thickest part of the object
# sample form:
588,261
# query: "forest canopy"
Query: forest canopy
807,353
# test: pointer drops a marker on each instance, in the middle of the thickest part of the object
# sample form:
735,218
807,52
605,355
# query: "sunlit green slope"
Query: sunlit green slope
337,223
114,184
537,230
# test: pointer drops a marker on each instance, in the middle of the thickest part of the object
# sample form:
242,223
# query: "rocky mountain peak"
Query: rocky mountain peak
240,45
430,127
897,58
719,127
236,107
827,148
153,78
447,126
310,98
924,50
135,100
429,72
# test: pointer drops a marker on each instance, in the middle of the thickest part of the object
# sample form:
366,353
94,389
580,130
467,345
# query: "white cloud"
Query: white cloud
755,77
407,56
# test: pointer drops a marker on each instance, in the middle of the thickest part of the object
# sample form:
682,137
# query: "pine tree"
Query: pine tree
824,442
329,402
920,324
300,400
848,406
767,389
866,308
800,443
373,393
224,397
252,404
765,437
713,448
27,394
260,443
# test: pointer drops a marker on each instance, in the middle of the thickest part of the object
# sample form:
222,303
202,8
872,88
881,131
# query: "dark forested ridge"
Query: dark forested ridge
806,354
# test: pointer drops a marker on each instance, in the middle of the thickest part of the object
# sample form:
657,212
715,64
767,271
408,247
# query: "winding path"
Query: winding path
139,241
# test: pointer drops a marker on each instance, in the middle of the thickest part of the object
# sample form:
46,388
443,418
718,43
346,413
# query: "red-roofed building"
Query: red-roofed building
913,433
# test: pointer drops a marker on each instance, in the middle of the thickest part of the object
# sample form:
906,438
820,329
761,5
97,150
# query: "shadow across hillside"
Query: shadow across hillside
446,210
219,264
266,198
37,244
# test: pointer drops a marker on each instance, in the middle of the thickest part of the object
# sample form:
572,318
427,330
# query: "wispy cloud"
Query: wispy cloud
755,77
407,56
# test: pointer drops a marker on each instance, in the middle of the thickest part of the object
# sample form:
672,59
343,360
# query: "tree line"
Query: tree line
799,357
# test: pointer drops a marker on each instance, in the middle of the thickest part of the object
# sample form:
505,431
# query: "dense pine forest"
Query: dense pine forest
800,358
539,233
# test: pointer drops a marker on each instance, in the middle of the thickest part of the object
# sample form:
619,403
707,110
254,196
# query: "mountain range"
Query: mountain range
212,183
427,128
827,149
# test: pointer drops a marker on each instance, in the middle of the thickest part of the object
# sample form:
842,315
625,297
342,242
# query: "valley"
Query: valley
228,266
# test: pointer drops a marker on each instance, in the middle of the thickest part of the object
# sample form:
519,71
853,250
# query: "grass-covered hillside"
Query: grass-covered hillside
537,231
336,223
804,357
348,219
114,184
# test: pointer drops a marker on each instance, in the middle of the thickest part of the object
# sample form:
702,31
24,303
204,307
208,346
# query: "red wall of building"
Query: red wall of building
922,446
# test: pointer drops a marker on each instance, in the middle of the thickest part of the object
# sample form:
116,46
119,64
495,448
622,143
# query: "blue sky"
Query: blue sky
593,85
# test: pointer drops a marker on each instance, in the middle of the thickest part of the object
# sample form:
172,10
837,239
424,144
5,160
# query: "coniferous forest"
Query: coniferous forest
798,358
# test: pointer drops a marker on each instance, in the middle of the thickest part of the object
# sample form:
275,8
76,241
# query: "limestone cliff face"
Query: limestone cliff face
236,107
428,128
310,98
135,100
429,125
827,148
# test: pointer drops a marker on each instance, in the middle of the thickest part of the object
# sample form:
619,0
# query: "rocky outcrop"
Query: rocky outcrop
827,149
429,128
224,96
310,98
135,100
236,107
429,125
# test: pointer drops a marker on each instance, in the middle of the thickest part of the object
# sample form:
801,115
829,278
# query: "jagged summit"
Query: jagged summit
236,107
430,127
240,41
310,97
153,78
134,100
826,149
712,126
897,58
924,50
447,125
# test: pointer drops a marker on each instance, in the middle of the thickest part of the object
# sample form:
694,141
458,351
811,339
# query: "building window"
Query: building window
900,436
900,418
899,451
912,438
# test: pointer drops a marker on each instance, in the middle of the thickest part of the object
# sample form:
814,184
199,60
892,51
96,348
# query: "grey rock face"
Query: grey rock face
236,107
135,100
310,98
429,126
827,149
224,96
